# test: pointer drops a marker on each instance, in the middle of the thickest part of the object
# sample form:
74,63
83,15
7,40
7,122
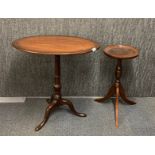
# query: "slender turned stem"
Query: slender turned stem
57,78
118,71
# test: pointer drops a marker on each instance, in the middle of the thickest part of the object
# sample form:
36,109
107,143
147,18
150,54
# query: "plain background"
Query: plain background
24,74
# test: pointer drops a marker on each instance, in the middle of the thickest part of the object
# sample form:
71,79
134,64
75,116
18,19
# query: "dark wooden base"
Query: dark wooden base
112,92
54,104
56,100
118,91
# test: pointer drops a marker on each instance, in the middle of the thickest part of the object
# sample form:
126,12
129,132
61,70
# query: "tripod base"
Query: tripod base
52,104
56,99
118,91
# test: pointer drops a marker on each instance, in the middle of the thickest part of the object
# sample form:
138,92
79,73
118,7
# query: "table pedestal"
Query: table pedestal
117,90
57,100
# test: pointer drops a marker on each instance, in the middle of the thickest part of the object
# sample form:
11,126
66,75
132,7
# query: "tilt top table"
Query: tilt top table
57,46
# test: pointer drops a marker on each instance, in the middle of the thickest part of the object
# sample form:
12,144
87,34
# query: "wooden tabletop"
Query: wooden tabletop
121,51
55,45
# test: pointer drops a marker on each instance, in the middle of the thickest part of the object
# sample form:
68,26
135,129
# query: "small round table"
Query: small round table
56,45
119,52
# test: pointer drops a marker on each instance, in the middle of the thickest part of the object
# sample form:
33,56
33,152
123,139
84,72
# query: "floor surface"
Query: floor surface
134,120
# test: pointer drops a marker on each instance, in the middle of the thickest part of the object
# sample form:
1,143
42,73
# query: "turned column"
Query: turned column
57,79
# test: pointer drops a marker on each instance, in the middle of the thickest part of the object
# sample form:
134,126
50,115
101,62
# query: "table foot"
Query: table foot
70,105
48,110
124,97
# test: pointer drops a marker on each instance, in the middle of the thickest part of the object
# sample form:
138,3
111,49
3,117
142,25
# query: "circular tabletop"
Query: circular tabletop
121,51
55,45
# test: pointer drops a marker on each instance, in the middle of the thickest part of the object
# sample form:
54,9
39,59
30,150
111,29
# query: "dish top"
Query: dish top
121,51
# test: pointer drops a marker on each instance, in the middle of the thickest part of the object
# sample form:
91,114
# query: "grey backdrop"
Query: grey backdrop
23,74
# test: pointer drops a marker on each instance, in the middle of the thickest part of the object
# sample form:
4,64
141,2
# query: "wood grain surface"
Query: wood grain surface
121,51
55,45
23,74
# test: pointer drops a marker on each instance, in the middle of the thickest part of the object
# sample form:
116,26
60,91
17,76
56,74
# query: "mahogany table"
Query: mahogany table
57,46
119,52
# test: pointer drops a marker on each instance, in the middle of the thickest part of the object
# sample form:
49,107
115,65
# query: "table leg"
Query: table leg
70,105
48,110
56,99
110,93
124,97
116,106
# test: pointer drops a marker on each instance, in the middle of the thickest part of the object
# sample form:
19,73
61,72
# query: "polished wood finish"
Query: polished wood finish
56,99
117,88
55,45
121,51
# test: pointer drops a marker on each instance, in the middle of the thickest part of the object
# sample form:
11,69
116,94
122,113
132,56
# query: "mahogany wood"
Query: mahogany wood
55,45
56,99
120,52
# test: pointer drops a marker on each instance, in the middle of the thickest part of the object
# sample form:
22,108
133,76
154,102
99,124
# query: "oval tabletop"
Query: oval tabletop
121,51
55,45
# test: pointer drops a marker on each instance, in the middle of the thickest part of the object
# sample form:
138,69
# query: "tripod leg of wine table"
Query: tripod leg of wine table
57,100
